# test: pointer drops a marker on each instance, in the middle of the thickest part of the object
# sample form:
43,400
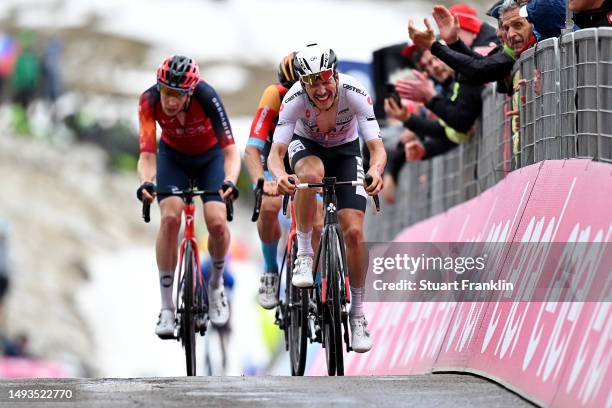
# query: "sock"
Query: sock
216,273
269,253
305,243
356,299
166,279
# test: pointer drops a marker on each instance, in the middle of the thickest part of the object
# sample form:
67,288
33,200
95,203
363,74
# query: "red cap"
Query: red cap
468,18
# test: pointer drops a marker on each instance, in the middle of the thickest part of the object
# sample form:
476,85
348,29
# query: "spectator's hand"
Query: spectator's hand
396,112
423,39
512,113
389,189
448,24
418,90
407,136
270,188
414,150
284,186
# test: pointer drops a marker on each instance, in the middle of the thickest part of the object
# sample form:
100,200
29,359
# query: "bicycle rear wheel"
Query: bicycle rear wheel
187,331
297,304
332,318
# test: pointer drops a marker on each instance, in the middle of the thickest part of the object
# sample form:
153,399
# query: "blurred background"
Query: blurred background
77,263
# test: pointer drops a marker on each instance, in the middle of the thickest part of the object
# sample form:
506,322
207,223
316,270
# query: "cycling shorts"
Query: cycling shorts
175,169
343,162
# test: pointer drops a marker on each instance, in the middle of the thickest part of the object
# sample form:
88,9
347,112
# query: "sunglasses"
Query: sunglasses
166,90
310,79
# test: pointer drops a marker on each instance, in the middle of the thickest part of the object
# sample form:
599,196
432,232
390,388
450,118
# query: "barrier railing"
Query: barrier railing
565,112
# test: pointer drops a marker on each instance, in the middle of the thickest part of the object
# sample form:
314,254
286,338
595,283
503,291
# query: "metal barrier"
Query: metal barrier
565,112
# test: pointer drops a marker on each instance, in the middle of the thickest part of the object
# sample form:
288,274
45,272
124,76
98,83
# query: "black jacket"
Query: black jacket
601,17
476,68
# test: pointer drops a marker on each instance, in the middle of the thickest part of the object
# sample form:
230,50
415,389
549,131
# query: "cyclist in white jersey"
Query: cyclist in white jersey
317,126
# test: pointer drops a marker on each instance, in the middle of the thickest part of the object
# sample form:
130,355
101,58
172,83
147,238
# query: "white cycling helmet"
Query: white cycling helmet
315,62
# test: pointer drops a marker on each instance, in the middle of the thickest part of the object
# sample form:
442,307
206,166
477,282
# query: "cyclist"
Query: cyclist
256,157
317,126
196,142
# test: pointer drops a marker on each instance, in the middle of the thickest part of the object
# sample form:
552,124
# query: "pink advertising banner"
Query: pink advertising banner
555,353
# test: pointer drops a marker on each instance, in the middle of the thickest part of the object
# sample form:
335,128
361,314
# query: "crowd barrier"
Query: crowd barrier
552,353
565,113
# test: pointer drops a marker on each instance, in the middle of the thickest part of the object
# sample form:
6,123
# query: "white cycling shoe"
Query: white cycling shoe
268,291
360,336
218,307
302,272
165,324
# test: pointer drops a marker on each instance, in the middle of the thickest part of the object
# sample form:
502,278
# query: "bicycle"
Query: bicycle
317,313
191,293
288,314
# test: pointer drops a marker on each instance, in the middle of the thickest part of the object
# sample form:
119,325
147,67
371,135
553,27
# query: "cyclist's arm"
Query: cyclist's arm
287,118
147,161
231,166
213,107
267,112
275,160
361,104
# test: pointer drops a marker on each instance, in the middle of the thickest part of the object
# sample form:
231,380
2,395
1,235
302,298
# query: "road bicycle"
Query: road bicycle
191,293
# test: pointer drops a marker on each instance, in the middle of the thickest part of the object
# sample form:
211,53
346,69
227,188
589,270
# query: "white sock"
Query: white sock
166,279
216,273
356,299
305,243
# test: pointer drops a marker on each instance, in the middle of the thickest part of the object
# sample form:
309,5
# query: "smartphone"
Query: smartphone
392,93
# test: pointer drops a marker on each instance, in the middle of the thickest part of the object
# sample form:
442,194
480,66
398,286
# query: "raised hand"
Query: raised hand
423,39
418,90
448,24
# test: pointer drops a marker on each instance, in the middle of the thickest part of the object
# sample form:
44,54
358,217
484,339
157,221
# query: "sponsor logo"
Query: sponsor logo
281,107
295,95
262,117
331,208
370,100
354,89
294,147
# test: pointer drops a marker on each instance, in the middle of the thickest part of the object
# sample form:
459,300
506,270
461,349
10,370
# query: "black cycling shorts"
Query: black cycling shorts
343,162
175,169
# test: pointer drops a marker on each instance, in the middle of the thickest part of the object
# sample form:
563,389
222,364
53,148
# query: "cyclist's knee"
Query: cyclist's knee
217,227
270,207
170,221
353,235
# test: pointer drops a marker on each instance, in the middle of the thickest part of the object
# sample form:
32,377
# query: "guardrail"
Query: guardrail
565,112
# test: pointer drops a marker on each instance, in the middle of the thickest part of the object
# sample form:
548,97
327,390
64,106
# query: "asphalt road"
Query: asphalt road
440,390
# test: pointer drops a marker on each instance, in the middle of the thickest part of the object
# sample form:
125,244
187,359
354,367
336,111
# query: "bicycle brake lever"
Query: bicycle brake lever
258,196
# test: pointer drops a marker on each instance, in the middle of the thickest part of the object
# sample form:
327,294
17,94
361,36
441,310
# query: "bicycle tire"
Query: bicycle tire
188,315
332,318
298,318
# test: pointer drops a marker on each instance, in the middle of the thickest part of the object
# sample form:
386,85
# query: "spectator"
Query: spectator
51,69
26,76
8,51
591,13
546,16
476,68
474,33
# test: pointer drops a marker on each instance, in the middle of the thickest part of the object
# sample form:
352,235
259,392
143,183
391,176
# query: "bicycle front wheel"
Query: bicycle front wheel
297,303
332,335
188,315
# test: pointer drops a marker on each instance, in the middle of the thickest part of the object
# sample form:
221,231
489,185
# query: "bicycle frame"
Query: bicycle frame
189,235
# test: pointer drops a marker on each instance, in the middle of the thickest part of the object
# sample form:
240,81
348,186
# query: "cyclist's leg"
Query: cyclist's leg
305,157
308,166
169,174
351,212
269,231
211,175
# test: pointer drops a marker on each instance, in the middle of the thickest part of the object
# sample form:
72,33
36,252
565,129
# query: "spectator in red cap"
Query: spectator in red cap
473,32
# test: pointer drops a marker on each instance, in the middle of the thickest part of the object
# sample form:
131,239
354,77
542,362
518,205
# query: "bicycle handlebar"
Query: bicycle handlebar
301,186
258,196
229,204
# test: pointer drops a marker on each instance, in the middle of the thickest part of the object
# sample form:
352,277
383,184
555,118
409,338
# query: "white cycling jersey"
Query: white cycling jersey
298,115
